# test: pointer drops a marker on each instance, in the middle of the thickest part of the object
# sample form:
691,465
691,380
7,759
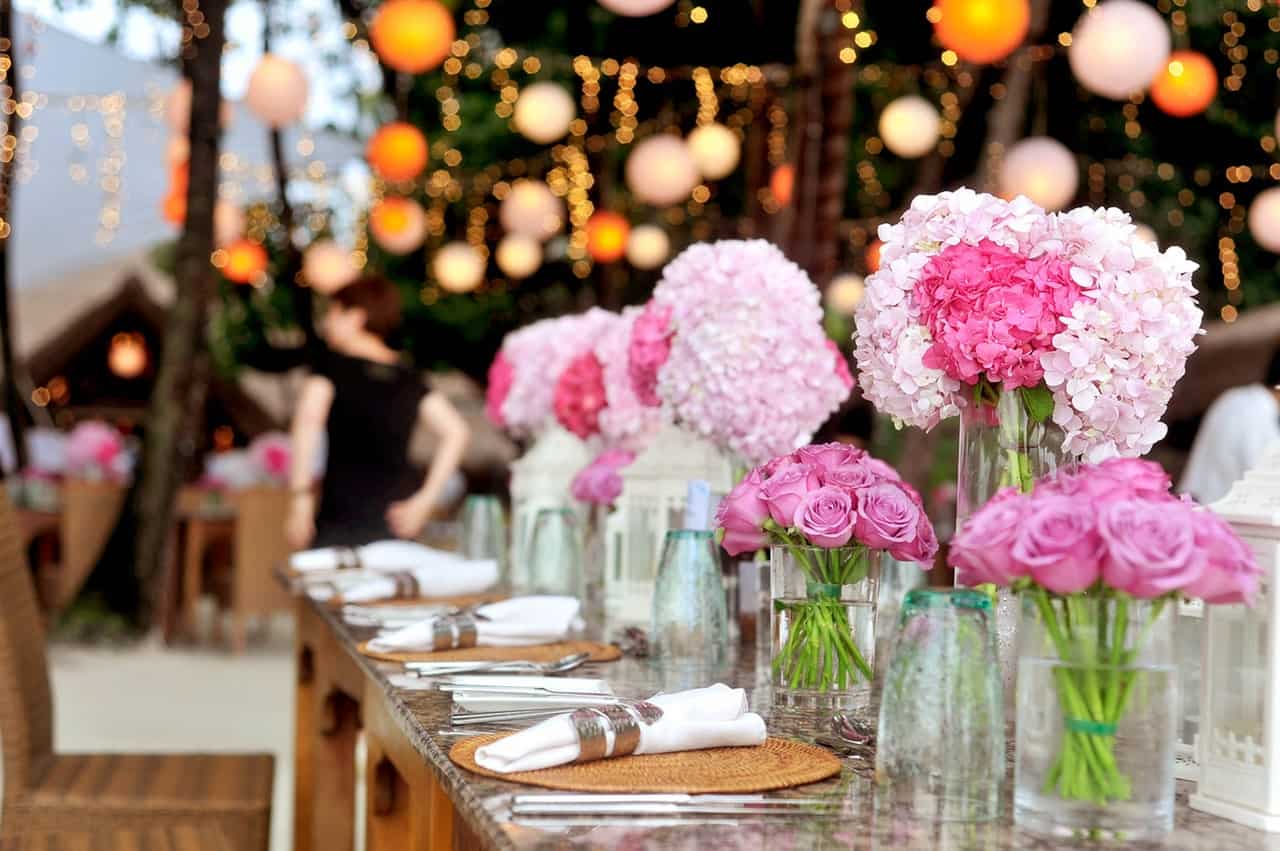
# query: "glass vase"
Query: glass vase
595,556
555,554
690,622
1097,717
824,629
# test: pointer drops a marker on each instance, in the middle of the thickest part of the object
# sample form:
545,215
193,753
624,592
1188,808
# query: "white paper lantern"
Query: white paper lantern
1118,47
277,91
636,8
1042,169
531,209
1264,219
845,292
327,266
228,222
661,171
518,256
543,112
909,126
177,108
1146,233
458,267
716,150
399,225
648,247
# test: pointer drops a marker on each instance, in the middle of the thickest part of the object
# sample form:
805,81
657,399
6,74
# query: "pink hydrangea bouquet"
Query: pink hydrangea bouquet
1100,553
732,346
977,297
834,508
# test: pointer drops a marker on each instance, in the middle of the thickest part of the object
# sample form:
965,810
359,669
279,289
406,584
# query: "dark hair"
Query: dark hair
380,301
854,419
1273,369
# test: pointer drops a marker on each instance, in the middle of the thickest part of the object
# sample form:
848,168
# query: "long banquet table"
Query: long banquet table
417,799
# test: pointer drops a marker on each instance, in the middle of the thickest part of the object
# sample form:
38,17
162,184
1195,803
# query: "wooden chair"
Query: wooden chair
48,793
257,548
89,514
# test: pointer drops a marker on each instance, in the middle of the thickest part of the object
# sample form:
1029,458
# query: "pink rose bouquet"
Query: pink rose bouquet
835,508
1101,552
977,297
600,482
732,347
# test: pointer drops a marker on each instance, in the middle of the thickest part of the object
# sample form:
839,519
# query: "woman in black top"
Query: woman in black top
369,401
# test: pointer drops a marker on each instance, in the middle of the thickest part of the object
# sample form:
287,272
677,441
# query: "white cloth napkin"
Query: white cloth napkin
447,578
380,555
518,622
712,717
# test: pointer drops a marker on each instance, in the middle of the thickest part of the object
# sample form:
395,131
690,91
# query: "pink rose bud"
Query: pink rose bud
1150,546
888,518
826,517
787,488
1058,544
741,515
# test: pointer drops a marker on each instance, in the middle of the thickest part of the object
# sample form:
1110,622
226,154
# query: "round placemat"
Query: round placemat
538,653
777,764
461,601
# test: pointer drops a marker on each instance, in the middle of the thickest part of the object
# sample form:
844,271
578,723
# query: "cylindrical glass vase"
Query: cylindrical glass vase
824,629
690,623
1097,717
555,554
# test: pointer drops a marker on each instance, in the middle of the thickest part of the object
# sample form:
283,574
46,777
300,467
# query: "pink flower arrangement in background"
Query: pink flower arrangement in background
600,482
501,377
579,395
96,450
732,346
976,296
270,454
626,422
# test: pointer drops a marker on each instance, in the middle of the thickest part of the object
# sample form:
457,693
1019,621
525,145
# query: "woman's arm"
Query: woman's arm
408,518
308,422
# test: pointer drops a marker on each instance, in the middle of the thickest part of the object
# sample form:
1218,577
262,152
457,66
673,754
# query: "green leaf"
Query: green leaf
1038,401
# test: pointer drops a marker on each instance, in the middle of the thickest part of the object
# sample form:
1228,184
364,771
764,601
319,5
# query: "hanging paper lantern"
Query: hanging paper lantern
1118,47
531,209
244,261
782,183
715,149
228,222
661,171
1042,169
127,354
398,151
398,224
845,292
327,266
543,112
518,256
174,208
1186,86
635,8
177,108
607,236
648,247
277,91
458,267
871,258
909,126
982,31
412,36
1264,219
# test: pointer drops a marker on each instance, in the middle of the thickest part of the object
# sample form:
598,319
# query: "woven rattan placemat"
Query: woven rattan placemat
538,653
461,601
777,764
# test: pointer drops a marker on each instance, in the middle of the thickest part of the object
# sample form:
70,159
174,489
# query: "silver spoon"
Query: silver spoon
559,666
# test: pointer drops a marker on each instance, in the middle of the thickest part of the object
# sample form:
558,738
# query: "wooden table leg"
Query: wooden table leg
335,726
192,564
303,730
405,808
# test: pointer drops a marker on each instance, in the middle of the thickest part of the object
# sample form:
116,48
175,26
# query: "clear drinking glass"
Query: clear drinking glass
555,554
484,528
690,618
940,755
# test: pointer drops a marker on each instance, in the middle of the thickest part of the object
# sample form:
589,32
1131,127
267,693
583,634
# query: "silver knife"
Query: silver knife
666,804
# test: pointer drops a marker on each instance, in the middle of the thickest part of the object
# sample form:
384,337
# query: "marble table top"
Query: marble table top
484,803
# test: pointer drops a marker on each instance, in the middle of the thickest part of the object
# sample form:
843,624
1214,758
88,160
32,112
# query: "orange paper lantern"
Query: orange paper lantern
399,225
607,234
412,36
873,256
782,183
174,207
981,31
398,151
244,261
1187,84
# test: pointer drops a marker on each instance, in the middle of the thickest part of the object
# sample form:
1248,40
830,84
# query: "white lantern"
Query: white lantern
399,225
1042,169
909,126
661,171
531,209
1118,47
543,112
845,292
648,247
458,267
518,256
636,8
715,149
1238,743
228,222
327,266
1264,219
277,91
177,108
1146,233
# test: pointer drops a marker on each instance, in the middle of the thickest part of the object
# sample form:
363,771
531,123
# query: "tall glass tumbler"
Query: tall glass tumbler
484,528
555,554
690,616
941,751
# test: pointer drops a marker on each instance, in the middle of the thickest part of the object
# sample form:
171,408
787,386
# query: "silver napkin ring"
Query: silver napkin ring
589,725
406,585
454,632
624,719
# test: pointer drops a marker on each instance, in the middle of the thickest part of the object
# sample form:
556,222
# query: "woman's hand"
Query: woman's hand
408,517
300,525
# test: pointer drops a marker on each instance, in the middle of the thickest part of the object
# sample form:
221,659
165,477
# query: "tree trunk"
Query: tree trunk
177,403
13,402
